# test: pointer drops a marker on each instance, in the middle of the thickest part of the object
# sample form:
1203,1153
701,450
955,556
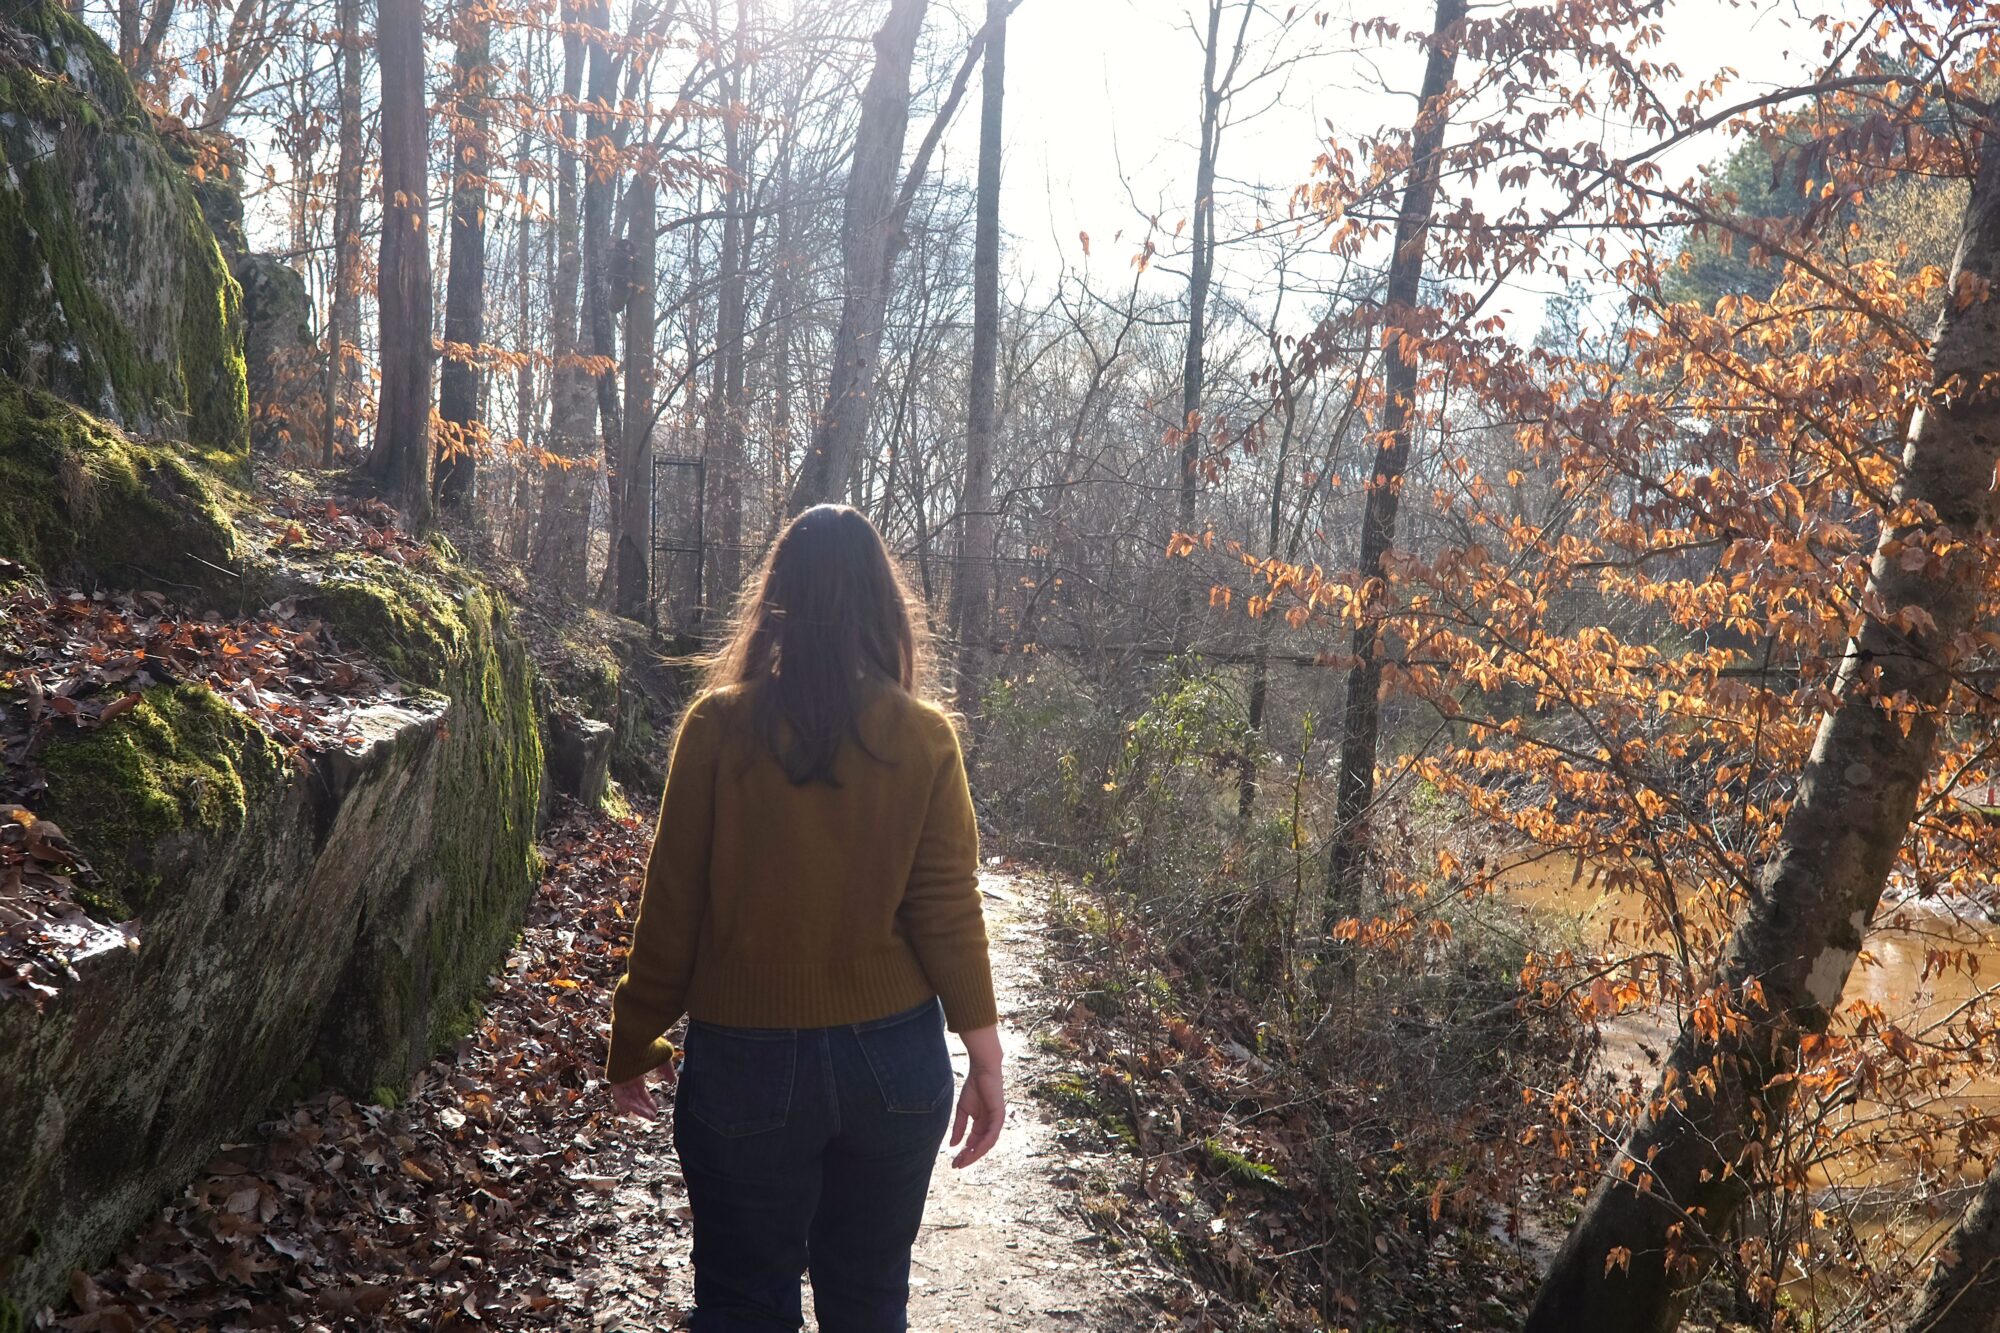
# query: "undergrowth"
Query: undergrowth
1321,1113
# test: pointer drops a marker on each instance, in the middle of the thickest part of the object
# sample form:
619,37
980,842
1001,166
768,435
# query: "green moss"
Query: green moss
78,496
421,986
115,295
457,1027
402,619
585,669
11,1318
1167,1243
485,826
303,1082
182,761
385,1096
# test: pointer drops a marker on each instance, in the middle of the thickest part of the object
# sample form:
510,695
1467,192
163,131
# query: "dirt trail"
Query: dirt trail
1002,1248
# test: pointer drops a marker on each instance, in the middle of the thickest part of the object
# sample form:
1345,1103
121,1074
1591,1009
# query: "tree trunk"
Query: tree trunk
599,194
344,314
635,464
527,408
1963,1293
1651,1228
1201,271
129,34
562,535
465,289
401,460
868,234
1260,670
725,445
1361,714
972,589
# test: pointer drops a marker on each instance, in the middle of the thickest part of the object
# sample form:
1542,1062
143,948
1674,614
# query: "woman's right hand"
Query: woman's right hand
982,1104
634,1098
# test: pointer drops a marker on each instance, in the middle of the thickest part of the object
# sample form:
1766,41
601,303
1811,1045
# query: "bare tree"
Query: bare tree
726,403
972,589
401,461
344,311
1215,81
465,290
868,237
635,464
562,533
1361,716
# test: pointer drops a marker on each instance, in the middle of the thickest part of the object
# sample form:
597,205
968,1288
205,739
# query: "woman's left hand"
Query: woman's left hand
633,1098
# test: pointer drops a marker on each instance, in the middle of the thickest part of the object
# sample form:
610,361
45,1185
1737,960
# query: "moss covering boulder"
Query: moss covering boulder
113,295
601,668
282,362
81,500
328,916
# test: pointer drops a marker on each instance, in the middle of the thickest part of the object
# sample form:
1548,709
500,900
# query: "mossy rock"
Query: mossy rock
114,294
179,769
79,498
431,941
405,620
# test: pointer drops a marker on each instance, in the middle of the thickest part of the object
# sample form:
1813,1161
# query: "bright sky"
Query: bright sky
1103,99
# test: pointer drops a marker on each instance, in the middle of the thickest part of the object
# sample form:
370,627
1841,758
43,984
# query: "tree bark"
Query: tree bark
1651,1228
527,407
635,464
599,194
1260,669
972,589
1201,272
562,534
1963,1293
725,443
868,237
465,283
344,313
129,34
1361,714
401,460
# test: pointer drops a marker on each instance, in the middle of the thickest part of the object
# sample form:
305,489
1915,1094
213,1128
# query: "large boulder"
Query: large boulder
80,500
286,372
300,919
579,755
298,924
113,294
282,360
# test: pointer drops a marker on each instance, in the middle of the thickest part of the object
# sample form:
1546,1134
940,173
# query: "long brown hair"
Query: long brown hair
824,621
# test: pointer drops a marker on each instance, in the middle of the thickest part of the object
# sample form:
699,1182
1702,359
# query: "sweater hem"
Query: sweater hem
810,996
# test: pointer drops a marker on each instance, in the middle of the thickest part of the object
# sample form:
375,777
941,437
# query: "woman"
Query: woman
812,904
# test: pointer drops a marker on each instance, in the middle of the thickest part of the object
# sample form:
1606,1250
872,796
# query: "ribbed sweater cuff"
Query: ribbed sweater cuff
629,1059
967,992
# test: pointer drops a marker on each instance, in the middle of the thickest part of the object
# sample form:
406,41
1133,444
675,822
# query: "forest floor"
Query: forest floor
502,1192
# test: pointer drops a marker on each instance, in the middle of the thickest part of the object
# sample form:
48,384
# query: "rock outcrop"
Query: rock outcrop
282,362
301,919
113,294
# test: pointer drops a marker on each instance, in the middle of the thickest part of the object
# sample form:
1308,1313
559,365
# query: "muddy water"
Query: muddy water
1890,974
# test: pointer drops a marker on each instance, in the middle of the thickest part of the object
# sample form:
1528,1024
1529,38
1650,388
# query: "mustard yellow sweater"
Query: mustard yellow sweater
770,905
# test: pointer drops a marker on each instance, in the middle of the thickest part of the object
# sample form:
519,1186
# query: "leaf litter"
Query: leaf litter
491,1196
72,661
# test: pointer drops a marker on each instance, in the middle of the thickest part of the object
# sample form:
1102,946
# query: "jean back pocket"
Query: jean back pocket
907,1054
738,1081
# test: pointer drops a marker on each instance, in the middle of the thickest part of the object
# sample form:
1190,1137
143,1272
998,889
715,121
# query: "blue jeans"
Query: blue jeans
810,1150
